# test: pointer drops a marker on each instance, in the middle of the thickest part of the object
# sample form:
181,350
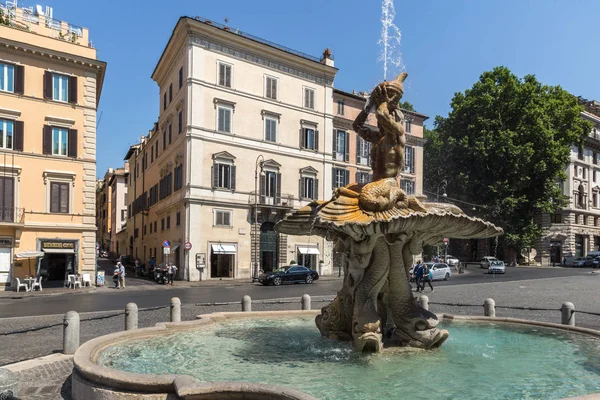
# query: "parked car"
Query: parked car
486,261
292,274
451,261
440,271
497,267
578,262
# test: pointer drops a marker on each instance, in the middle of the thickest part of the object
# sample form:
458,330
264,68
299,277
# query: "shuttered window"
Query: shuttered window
309,98
309,187
309,139
270,130
224,119
7,196
222,218
270,88
178,177
60,141
64,88
7,130
341,177
7,77
409,160
224,75
59,197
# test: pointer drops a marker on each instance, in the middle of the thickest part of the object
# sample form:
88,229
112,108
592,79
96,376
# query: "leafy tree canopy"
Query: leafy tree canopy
505,145
407,106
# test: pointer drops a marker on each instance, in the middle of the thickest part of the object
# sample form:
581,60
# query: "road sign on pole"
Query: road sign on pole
166,250
166,243
187,246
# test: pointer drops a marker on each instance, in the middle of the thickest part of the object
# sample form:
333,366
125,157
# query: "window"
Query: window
164,140
224,119
409,160
6,134
362,177
340,108
7,190
341,145
270,187
224,78
178,218
271,88
150,227
309,139
224,176
309,98
170,133
60,87
180,77
60,141
222,218
594,176
363,148
584,173
595,199
408,186
162,224
309,188
555,218
151,154
170,93
7,77
144,230
407,126
124,216
595,158
153,196
180,122
270,130
169,222
155,230
341,177
575,170
164,101
580,153
178,177
166,186
59,197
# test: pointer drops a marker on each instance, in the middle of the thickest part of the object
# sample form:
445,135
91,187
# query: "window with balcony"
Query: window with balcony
270,87
309,98
309,138
270,187
222,218
224,119
340,107
270,130
409,160
341,177
7,196
341,145
408,186
363,149
224,78
59,197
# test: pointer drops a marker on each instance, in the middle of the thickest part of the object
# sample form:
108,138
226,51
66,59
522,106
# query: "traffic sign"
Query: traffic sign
187,246
166,243
446,240
166,251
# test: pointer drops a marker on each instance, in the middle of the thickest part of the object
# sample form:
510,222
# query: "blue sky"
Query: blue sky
445,46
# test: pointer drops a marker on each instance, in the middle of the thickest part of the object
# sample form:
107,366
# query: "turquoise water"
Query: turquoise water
478,361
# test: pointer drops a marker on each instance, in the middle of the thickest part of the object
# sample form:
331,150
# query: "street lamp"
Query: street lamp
442,186
260,161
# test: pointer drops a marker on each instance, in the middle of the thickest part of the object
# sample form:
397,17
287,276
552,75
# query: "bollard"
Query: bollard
489,308
246,303
71,332
424,302
305,301
175,309
131,316
568,314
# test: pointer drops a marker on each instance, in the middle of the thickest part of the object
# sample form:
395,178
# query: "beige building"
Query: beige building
241,141
574,231
50,84
111,208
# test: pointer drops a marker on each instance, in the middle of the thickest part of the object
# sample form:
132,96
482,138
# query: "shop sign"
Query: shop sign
6,242
57,245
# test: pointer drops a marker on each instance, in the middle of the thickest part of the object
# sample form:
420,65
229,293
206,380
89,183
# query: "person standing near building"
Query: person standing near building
116,275
427,278
172,271
418,275
122,275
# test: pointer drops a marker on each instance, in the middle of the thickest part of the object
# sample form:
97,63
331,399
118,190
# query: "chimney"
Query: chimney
353,91
327,58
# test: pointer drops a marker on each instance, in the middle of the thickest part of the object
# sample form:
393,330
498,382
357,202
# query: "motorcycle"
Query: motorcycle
160,275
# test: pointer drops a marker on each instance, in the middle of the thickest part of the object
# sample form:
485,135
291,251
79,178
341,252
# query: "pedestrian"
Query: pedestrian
427,278
172,271
116,273
564,262
137,268
122,275
418,275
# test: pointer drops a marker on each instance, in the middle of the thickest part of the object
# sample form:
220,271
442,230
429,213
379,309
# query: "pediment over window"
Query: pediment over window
308,171
223,155
272,164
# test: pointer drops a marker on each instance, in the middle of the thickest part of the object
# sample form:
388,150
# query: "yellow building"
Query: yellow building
50,84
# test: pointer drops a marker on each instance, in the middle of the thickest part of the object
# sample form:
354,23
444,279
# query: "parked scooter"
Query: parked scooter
160,274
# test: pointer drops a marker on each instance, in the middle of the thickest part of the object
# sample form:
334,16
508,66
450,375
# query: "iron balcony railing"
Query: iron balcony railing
12,215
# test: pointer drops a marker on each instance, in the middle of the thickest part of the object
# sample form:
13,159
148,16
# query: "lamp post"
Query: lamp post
260,160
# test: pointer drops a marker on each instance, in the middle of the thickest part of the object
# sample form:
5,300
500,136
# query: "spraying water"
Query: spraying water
390,38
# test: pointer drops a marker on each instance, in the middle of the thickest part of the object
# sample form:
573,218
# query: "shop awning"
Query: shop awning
59,251
223,249
29,254
175,246
308,250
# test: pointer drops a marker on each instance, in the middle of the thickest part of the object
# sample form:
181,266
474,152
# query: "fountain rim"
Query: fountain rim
85,359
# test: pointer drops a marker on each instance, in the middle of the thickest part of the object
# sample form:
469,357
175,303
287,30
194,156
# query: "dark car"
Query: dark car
296,273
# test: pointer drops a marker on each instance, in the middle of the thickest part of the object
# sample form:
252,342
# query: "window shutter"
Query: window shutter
18,141
54,197
316,189
316,140
300,187
356,176
215,175
48,85
263,184
274,89
73,89
19,79
72,143
64,197
347,142
302,143
333,177
47,139
278,189
347,178
358,139
233,173
334,144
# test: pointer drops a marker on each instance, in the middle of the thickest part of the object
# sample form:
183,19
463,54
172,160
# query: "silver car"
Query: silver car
497,267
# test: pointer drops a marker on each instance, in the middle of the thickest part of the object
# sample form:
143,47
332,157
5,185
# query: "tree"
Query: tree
505,145
405,105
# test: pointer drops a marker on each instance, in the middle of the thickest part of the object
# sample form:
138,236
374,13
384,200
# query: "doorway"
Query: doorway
269,247
555,253
56,266
221,265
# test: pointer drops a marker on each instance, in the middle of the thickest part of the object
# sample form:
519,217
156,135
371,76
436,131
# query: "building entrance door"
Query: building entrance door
269,247
555,253
5,267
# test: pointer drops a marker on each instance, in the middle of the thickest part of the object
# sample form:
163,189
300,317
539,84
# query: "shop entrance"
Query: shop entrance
307,256
56,266
555,253
222,260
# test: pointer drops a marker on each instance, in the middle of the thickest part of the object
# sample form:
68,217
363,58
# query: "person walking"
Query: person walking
172,271
418,275
122,275
427,278
116,275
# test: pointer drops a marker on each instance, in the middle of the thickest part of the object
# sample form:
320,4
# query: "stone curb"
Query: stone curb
37,362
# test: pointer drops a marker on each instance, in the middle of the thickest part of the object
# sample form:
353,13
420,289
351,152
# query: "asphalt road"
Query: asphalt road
148,294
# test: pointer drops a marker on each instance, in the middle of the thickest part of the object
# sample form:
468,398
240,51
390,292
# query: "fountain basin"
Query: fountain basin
258,353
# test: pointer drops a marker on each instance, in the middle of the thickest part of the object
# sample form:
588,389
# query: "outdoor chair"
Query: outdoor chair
87,280
21,285
37,283
74,282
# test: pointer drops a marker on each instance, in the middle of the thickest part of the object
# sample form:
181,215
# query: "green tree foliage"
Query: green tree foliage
505,145
405,105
